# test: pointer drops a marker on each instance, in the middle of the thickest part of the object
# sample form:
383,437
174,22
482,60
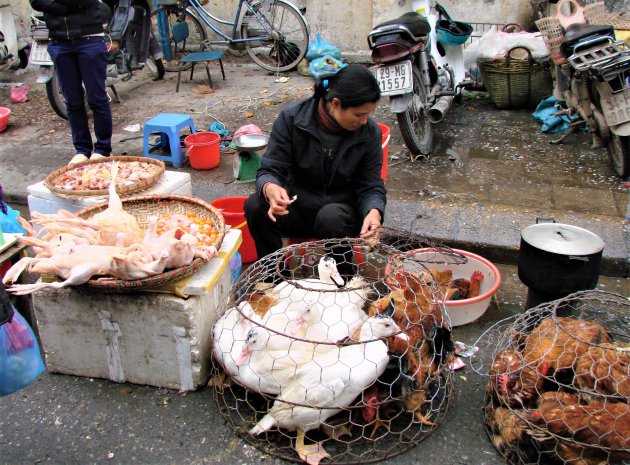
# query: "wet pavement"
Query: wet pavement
492,173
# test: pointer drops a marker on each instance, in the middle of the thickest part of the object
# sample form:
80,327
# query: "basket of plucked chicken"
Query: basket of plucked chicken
162,239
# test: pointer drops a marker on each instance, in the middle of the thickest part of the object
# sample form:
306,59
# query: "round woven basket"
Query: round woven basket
156,168
142,207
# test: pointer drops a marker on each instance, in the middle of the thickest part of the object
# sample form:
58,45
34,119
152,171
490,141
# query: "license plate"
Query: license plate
617,108
39,54
394,79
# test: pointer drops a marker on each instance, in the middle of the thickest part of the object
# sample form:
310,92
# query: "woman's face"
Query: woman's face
351,118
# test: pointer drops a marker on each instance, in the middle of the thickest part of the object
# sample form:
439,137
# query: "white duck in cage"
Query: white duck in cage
231,332
329,383
341,307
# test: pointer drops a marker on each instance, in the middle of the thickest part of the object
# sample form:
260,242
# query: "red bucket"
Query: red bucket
385,131
233,212
203,150
4,118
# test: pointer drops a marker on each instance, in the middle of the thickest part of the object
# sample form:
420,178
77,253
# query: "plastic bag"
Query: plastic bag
319,48
495,43
9,222
19,94
247,129
325,65
20,360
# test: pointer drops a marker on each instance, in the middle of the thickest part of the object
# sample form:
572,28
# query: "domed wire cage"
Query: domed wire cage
306,370
558,388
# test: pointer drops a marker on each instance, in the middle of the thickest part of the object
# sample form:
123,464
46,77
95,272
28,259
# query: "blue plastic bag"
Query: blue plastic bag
325,65
319,48
20,360
9,222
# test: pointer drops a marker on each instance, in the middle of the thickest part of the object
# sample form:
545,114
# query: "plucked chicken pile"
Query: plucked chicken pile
559,387
109,244
348,370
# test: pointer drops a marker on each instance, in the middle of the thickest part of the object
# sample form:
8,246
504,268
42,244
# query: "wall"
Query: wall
347,23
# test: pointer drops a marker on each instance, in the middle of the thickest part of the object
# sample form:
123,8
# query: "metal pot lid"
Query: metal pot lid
562,239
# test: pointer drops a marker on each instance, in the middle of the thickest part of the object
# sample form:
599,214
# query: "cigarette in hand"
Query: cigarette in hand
293,199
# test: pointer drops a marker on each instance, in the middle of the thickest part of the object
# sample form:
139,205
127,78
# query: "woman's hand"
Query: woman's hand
278,200
371,224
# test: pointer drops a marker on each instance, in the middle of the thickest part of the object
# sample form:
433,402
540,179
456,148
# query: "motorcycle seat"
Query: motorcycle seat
577,33
417,24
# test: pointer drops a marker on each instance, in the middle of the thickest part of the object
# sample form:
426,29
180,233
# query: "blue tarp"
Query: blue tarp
552,124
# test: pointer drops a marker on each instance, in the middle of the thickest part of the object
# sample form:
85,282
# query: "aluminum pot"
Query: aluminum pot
556,260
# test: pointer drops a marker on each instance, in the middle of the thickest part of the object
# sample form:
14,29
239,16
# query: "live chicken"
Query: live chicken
605,370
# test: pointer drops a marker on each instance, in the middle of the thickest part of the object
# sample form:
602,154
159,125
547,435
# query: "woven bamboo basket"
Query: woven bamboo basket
155,167
516,83
142,207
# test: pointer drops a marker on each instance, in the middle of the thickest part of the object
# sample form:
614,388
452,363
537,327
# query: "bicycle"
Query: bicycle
274,33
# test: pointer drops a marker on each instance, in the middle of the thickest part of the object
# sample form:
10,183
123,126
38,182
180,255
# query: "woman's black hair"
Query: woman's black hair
354,85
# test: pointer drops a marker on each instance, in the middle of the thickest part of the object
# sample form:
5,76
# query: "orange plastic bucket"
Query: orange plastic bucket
232,209
4,118
203,150
386,132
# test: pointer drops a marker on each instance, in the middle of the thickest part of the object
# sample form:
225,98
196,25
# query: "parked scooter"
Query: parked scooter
12,48
421,74
593,79
130,42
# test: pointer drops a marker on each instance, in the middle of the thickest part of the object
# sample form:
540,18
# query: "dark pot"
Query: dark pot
556,260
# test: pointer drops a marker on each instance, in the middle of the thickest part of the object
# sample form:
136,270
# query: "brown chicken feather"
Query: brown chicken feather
604,428
605,369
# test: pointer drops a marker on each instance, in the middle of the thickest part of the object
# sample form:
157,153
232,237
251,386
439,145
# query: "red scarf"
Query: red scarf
325,120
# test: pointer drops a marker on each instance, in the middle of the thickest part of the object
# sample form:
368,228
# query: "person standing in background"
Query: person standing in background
77,49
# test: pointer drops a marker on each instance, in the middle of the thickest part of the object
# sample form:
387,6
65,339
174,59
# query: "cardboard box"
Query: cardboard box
42,200
158,339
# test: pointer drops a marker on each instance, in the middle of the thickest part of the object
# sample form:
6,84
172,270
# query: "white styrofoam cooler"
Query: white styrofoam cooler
144,338
42,200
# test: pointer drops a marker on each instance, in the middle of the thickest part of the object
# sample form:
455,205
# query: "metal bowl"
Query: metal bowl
251,142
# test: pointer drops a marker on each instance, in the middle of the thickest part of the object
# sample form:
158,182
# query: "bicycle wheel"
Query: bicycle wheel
194,43
283,49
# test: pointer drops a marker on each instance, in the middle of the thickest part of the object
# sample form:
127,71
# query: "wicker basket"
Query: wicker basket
597,13
142,207
552,33
516,83
156,169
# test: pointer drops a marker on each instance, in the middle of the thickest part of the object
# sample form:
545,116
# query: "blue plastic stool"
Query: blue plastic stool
167,125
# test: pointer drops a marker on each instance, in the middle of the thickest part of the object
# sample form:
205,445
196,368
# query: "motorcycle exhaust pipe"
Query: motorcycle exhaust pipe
436,112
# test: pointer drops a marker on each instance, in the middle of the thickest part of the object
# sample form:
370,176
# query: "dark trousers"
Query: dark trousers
78,63
335,220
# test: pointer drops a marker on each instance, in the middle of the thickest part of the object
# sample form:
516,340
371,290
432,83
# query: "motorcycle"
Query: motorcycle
593,81
420,74
12,48
130,43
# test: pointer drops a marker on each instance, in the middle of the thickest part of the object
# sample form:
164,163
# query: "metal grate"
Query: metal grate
559,381
296,354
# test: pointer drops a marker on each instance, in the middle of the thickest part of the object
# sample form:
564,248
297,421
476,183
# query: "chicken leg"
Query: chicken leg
78,275
311,454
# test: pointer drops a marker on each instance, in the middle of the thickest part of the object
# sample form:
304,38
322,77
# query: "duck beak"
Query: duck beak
337,279
245,353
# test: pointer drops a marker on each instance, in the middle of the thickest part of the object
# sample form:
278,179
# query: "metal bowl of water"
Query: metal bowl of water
251,142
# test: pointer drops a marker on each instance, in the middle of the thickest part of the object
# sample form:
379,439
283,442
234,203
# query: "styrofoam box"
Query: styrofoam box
42,200
148,338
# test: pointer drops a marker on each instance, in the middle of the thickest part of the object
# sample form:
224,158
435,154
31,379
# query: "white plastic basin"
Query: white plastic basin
465,311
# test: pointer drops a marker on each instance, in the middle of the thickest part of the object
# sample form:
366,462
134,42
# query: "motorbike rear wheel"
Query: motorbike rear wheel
55,97
414,123
618,148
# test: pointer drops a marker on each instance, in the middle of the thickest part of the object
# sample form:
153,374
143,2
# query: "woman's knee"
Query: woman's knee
337,220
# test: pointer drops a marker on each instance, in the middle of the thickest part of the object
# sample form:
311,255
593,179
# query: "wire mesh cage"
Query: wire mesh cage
356,370
559,382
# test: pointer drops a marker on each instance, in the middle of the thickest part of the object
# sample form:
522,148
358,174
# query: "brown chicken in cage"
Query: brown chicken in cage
411,305
550,350
582,434
605,370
